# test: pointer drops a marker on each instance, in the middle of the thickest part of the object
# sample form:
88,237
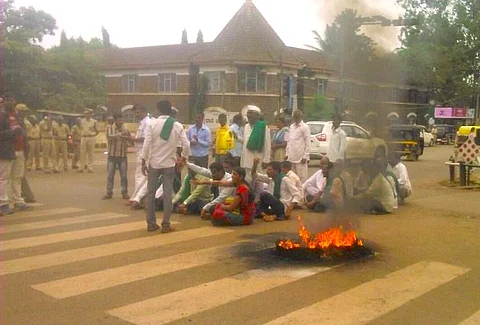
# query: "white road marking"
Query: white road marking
472,320
375,298
60,222
83,254
42,213
85,283
173,306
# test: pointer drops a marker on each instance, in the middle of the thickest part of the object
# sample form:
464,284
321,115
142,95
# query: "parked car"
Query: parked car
360,145
428,138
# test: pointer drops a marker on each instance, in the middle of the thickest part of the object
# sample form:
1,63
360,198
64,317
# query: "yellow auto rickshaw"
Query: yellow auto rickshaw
406,140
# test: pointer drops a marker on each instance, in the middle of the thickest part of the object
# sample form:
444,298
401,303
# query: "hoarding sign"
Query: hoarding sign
443,112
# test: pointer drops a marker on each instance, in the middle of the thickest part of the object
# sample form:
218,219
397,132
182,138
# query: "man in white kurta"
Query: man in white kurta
298,146
253,115
338,141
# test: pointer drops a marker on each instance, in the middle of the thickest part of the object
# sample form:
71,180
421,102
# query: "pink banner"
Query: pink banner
443,112
459,112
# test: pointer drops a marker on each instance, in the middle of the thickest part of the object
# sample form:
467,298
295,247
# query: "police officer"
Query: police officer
33,136
61,133
46,135
76,139
89,131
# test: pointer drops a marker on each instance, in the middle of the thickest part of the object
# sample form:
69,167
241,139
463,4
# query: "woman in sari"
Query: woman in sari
241,209
279,141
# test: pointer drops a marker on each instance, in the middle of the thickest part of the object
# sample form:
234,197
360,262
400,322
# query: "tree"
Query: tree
343,41
200,36
63,39
184,37
319,109
106,38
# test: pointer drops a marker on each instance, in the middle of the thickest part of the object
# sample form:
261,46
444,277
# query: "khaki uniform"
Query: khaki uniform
61,133
89,131
46,134
33,137
76,139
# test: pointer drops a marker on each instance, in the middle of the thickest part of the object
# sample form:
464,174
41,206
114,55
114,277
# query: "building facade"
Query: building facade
246,64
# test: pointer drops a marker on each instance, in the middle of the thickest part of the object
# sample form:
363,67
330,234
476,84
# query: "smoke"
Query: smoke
386,38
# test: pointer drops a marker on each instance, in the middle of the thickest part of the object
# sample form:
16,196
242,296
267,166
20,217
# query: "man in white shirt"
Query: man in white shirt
252,148
400,171
162,138
282,196
314,186
338,142
217,173
140,180
298,146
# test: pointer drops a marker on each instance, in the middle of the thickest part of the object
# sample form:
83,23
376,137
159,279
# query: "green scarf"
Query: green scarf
167,128
278,183
257,137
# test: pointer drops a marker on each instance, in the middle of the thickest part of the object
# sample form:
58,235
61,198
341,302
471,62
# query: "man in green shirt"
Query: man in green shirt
191,198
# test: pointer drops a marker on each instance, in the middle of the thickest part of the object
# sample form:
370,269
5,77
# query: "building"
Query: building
247,64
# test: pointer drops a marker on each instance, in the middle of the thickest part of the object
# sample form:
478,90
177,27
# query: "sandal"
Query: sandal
269,218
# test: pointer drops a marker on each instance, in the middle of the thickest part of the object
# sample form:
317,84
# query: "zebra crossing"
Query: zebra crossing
225,270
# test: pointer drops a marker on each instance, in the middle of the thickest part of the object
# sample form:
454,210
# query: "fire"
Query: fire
334,237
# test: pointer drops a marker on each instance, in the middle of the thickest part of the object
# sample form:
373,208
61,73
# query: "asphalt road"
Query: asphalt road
76,259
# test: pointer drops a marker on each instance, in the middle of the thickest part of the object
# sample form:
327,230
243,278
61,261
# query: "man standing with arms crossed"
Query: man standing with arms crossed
89,132
298,146
162,137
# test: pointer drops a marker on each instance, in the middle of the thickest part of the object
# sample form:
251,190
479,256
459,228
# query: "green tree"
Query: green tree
184,37
319,109
200,36
63,39
106,38
343,40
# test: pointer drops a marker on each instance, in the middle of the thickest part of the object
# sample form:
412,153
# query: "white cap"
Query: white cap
254,109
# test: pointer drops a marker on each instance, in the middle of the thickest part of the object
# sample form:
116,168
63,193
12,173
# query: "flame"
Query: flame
334,237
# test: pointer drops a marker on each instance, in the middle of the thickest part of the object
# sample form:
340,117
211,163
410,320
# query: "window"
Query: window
412,95
348,131
359,133
130,83
394,94
167,82
322,86
215,81
252,82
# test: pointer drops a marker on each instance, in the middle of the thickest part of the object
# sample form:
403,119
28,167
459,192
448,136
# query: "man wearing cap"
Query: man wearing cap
76,139
257,142
89,132
46,134
61,131
33,136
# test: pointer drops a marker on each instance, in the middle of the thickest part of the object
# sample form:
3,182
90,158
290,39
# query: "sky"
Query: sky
160,22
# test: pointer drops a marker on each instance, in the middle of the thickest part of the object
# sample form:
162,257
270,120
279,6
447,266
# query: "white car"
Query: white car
360,145
428,139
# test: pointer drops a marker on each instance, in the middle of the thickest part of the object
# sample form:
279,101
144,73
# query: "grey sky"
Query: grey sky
149,22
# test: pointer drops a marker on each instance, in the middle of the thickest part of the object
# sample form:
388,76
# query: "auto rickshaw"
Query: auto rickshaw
406,140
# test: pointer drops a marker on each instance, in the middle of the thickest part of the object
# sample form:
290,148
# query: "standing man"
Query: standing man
338,142
142,115
18,164
48,150
298,146
236,128
76,140
118,139
200,141
257,141
7,155
33,136
61,132
224,140
89,132
162,138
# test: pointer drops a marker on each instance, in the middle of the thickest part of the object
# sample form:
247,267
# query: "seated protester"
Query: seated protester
314,187
346,177
191,198
362,181
400,171
282,197
228,164
334,195
379,197
217,173
286,168
242,208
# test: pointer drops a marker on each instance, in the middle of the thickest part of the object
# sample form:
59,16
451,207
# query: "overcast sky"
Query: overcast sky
160,22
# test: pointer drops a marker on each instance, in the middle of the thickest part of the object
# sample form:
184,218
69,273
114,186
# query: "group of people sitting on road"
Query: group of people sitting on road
231,194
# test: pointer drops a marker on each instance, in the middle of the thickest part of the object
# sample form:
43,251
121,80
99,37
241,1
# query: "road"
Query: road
76,259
